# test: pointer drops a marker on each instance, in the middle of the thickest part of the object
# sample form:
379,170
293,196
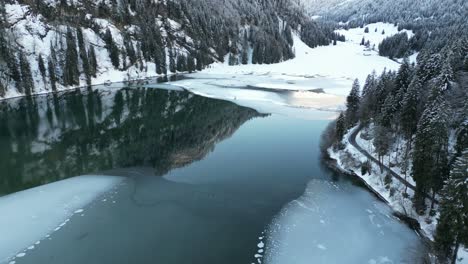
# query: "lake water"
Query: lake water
205,181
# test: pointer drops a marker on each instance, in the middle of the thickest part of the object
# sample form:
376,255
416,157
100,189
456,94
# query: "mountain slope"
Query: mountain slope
54,44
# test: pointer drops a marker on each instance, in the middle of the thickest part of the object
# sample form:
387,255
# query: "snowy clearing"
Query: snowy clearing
31,215
332,68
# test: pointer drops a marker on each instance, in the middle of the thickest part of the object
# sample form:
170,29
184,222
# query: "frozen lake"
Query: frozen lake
200,181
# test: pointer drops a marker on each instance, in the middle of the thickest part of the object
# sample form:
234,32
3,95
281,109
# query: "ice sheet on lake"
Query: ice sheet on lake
308,230
290,102
29,216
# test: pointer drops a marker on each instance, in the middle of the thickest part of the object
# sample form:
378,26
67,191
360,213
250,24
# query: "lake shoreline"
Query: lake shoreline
410,222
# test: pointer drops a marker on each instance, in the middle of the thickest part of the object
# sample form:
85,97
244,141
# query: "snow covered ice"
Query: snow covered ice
31,215
308,230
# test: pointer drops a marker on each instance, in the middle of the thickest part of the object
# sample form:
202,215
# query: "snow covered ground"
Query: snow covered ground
332,68
32,215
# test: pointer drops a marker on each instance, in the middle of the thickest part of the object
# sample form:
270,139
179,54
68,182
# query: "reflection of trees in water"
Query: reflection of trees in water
52,137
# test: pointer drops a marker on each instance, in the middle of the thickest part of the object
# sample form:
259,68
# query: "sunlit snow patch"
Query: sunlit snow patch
31,215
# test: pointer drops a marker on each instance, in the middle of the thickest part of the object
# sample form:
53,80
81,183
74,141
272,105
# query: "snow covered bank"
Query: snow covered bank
31,215
350,159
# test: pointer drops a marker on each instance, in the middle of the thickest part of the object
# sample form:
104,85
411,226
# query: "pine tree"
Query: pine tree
430,163
71,74
352,103
452,228
340,127
181,63
42,68
190,64
199,62
130,50
26,77
403,78
172,63
14,68
446,76
409,113
92,62
52,76
112,48
368,98
388,112
382,142
84,56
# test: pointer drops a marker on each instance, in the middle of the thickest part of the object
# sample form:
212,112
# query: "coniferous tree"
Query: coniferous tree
172,62
382,142
409,113
199,62
52,76
430,163
340,127
388,112
181,63
368,98
130,49
402,82
452,228
14,68
352,103
84,56
190,64
112,48
71,74
26,77
42,68
446,76
92,62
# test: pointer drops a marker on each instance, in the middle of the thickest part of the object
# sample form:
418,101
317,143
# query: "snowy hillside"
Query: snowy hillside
55,45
